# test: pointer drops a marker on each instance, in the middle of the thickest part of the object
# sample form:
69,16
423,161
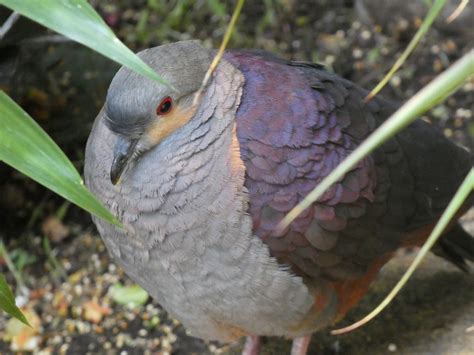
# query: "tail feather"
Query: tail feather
456,246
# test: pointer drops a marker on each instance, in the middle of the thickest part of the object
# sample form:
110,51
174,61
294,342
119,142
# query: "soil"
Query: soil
63,273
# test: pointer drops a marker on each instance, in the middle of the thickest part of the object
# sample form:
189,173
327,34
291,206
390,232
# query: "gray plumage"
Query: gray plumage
200,189
187,238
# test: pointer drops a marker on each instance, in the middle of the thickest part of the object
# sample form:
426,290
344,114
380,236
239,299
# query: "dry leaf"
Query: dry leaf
22,337
94,312
54,229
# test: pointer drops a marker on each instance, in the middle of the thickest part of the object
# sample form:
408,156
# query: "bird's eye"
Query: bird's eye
165,106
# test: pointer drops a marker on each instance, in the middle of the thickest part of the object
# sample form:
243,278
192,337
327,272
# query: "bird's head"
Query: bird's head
142,112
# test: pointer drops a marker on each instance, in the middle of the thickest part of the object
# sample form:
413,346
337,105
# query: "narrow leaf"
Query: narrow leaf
77,20
222,47
425,26
7,302
457,201
432,94
458,11
27,148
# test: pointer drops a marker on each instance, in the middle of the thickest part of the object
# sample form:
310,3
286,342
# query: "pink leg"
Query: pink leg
300,345
253,345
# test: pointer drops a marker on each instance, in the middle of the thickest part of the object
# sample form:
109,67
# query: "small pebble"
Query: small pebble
435,49
396,81
357,53
120,341
366,35
63,349
463,113
78,290
448,132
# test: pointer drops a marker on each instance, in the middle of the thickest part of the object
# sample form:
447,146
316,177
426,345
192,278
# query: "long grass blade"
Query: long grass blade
425,26
222,47
457,201
458,11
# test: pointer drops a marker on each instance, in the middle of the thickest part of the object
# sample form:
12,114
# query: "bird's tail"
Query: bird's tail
456,246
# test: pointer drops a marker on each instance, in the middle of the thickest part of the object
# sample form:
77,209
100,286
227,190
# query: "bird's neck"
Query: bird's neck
196,174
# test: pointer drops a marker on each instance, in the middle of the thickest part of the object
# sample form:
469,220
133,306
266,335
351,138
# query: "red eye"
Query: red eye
165,106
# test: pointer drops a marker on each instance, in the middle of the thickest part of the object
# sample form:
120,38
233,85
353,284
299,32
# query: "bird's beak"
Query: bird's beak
123,152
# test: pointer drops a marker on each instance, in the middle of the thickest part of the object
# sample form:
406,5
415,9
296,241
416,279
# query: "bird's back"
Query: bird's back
296,122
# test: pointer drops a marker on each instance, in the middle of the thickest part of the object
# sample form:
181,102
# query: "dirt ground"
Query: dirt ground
62,274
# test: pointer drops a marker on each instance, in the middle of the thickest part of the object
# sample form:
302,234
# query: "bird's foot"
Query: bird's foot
252,346
300,345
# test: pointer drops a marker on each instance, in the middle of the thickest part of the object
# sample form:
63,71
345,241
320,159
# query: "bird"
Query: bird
200,189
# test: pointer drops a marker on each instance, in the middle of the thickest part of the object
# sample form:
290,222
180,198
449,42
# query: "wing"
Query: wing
296,122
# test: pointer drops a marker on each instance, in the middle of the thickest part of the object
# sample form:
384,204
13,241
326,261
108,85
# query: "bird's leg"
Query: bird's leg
300,345
252,346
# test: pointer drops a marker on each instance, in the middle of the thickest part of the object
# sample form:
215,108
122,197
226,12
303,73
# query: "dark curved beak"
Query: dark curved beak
123,152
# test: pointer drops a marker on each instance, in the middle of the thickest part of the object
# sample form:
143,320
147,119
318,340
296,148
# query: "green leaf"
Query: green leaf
128,295
426,98
7,302
77,20
425,26
27,148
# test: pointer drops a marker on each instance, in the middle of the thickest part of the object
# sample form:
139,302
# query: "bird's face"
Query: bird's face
141,112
